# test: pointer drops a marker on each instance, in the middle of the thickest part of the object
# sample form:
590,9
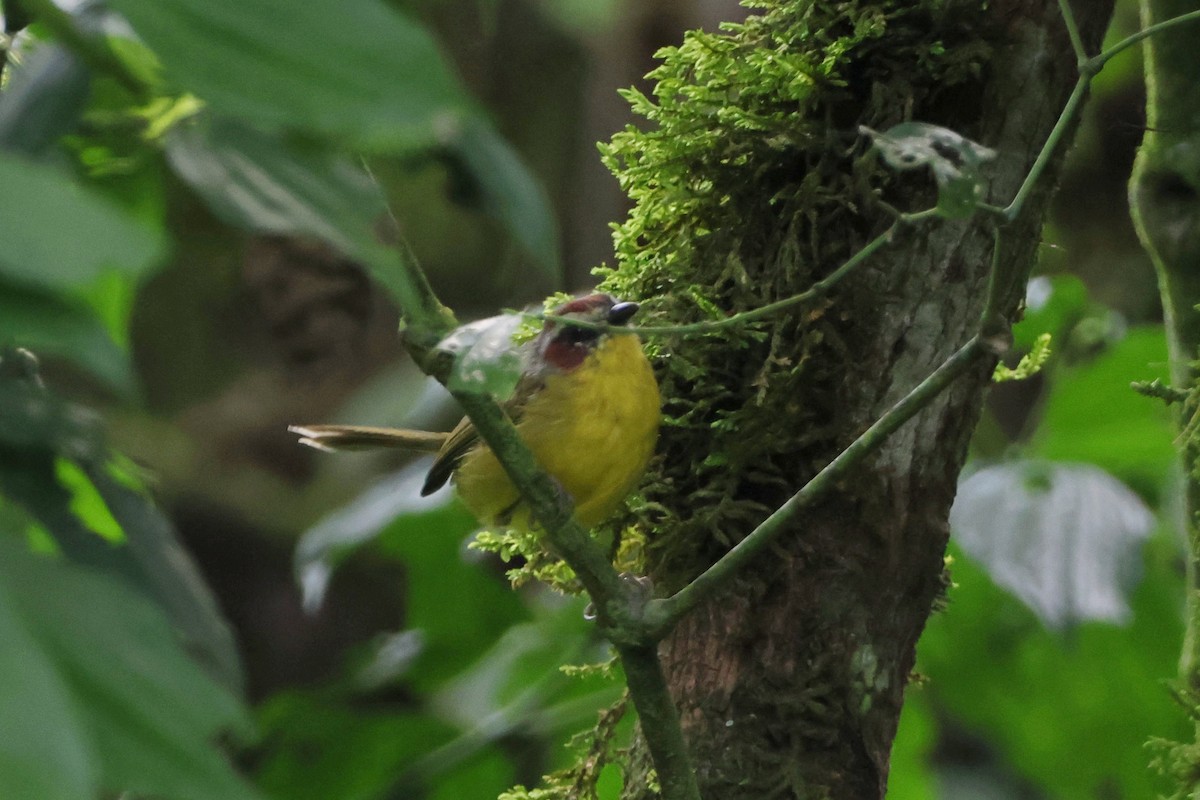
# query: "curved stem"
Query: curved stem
661,615
818,289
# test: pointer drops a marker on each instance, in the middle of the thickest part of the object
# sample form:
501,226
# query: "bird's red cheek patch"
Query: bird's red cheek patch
565,356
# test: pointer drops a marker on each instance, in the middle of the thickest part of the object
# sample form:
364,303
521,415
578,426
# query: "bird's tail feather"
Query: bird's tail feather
362,437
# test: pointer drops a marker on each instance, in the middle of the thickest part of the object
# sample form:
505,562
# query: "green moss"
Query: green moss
596,748
750,182
1180,760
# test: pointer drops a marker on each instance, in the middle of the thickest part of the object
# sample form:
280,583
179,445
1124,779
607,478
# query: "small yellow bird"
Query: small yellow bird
587,406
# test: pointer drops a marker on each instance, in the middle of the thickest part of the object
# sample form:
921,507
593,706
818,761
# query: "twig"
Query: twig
1096,63
818,289
1064,7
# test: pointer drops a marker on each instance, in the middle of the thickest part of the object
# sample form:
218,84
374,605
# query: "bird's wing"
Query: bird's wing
464,436
461,439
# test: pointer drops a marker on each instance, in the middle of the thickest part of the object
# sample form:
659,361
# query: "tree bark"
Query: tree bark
790,684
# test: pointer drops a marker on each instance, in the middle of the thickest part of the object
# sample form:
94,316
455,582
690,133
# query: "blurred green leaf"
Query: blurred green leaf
482,778
44,751
261,182
57,235
1092,415
131,711
166,572
361,522
1052,305
44,95
486,361
517,687
909,776
361,72
34,418
1035,695
317,747
520,673
505,190
459,609
48,324
59,469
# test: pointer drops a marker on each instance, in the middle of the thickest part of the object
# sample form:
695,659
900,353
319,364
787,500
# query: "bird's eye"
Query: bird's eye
573,335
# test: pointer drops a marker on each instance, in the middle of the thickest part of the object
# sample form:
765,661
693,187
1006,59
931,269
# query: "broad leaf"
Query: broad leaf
54,463
457,607
167,573
264,182
358,523
1033,694
136,714
505,189
57,235
49,325
486,360
955,160
261,182
1064,538
1092,415
367,74
42,99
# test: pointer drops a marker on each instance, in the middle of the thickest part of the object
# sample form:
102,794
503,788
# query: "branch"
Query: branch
818,289
619,603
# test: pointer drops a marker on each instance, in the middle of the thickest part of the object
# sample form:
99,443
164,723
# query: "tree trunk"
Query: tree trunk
1165,197
790,685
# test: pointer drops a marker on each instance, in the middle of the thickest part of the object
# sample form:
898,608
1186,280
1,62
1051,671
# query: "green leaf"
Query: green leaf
60,471
124,696
1052,305
1092,414
955,160
43,97
166,572
486,361
263,182
1035,695
458,608
44,750
57,235
317,748
50,325
359,523
910,776
32,418
505,190
366,74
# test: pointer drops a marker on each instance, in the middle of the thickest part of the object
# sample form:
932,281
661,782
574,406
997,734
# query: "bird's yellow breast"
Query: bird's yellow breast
593,429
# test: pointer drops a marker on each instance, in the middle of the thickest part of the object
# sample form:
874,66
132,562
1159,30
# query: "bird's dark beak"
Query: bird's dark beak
621,313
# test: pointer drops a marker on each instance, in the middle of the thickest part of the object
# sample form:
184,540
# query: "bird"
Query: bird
586,404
